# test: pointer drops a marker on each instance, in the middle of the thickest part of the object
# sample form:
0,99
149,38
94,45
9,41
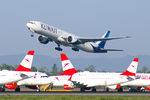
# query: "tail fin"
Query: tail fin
26,63
101,44
131,71
67,66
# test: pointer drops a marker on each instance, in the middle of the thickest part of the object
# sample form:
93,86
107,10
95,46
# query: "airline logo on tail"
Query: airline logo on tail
67,66
101,44
26,62
131,71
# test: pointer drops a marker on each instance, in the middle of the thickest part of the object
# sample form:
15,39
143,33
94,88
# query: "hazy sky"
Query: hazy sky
88,18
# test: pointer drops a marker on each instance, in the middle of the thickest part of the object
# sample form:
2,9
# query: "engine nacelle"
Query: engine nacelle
11,85
148,87
43,39
69,85
115,86
72,39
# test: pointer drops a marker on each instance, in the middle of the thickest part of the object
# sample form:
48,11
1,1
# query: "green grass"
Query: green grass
28,97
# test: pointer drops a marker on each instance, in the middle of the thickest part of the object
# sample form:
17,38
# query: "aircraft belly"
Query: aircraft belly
85,47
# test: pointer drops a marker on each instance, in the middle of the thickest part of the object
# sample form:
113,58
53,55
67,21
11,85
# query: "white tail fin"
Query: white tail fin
67,66
131,71
26,63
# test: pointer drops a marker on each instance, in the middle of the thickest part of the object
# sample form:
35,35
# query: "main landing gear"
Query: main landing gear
58,48
75,49
2,88
17,89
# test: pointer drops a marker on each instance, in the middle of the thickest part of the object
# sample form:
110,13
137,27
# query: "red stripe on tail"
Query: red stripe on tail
22,68
63,57
69,72
127,73
136,59
30,53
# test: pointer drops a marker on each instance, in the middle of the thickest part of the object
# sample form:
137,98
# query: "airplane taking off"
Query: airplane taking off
49,33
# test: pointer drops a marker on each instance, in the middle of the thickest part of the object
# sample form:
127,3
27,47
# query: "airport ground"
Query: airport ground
29,94
72,97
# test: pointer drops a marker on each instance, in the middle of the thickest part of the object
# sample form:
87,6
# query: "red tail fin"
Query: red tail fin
131,71
67,66
26,62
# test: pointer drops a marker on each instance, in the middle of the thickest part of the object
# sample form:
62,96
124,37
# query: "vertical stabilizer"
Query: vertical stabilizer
67,66
101,44
26,63
131,71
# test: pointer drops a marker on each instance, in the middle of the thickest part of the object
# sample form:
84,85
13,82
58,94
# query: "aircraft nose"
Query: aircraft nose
28,25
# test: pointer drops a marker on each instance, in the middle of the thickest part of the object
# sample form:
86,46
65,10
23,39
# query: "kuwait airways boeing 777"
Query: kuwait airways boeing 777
49,33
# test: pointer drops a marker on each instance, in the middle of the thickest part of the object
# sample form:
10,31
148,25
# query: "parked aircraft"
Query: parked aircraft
49,33
91,80
139,85
18,74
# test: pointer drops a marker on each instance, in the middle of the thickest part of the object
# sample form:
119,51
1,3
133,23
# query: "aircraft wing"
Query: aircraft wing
24,76
83,83
83,40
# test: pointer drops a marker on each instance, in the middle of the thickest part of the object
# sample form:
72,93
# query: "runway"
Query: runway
79,93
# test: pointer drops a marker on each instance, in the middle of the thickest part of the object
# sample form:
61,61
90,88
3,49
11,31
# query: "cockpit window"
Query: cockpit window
44,76
31,22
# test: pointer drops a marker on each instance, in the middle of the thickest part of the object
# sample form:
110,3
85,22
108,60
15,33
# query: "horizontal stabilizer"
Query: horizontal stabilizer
111,49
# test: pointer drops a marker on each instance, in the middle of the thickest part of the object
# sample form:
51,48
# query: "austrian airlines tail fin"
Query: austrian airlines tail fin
67,66
26,63
131,71
101,44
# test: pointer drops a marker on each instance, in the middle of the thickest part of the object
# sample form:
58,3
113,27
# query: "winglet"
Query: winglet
131,71
26,63
68,68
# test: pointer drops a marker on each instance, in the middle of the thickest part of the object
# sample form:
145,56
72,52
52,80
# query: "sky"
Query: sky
87,18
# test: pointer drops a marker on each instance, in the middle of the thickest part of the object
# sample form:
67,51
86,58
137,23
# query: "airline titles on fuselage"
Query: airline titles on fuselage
49,28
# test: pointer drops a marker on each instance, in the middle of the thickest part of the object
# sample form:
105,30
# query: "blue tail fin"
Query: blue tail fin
101,44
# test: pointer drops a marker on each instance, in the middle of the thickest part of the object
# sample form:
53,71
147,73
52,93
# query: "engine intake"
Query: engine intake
11,85
72,39
43,40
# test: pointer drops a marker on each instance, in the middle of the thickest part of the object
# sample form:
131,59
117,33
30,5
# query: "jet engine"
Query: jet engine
72,39
11,85
148,87
115,86
43,39
68,86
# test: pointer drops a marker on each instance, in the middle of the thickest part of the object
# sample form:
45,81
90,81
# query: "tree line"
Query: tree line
56,70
